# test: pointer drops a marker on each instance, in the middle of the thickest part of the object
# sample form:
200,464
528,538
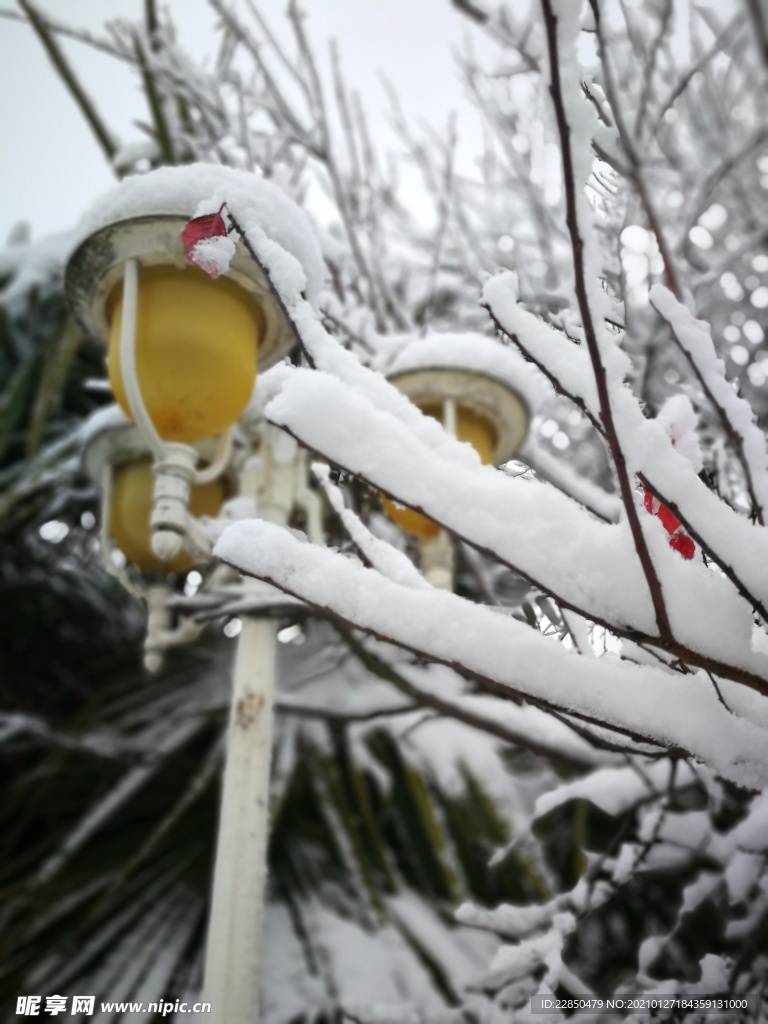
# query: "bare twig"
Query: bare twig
292,709
650,67
339,188
757,13
443,217
730,32
67,75
634,170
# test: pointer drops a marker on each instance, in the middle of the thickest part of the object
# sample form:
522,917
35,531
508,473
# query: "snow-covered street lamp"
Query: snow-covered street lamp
184,342
483,395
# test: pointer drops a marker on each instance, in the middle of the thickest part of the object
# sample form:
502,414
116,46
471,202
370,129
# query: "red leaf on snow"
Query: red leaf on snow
679,540
200,228
682,543
669,521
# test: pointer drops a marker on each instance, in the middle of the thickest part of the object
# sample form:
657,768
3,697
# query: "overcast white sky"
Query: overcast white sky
53,168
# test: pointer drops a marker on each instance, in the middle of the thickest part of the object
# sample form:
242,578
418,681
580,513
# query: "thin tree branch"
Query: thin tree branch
626,488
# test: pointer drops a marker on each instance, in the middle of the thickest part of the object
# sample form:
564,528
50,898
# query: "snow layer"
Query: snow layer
682,712
680,420
557,472
193,190
214,255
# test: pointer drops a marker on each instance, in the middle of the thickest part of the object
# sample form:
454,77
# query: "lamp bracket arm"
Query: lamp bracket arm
219,462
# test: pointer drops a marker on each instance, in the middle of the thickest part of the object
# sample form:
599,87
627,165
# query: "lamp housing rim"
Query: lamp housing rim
96,268
488,397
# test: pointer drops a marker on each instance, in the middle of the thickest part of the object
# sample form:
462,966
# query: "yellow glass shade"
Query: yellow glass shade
131,510
196,351
472,429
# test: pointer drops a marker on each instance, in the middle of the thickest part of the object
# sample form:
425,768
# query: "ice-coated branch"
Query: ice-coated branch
626,488
282,106
377,288
650,68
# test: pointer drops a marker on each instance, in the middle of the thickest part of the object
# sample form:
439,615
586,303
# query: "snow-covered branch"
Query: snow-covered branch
505,657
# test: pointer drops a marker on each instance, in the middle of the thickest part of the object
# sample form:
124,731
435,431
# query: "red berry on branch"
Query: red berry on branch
679,540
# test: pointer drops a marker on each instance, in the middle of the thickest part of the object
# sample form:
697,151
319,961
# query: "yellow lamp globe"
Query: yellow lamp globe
132,489
196,350
471,428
